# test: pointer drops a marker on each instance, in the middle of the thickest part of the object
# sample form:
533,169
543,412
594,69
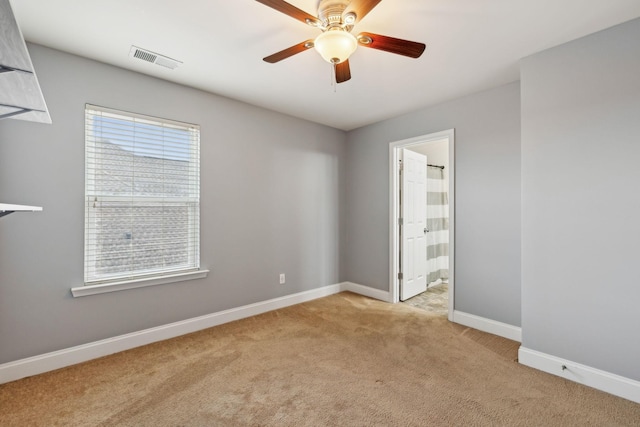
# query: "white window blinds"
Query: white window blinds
142,196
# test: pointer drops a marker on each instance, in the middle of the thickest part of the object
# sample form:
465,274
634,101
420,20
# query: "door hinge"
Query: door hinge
399,221
399,276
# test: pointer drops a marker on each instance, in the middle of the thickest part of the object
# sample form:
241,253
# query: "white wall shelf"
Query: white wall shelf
20,94
6,209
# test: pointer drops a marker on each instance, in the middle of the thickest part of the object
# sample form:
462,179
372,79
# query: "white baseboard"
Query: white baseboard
601,380
59,359
366,291
487,325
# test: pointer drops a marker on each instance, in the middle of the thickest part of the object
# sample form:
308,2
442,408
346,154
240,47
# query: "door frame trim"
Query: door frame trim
394,210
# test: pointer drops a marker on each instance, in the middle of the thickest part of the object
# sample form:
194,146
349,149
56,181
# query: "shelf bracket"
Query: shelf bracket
14,113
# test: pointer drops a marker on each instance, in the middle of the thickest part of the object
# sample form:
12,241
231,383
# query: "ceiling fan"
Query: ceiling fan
335,44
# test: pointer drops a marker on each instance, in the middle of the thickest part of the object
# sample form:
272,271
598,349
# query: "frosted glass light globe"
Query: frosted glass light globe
335,46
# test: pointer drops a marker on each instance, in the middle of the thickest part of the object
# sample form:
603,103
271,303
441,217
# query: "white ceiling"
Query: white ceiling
472,45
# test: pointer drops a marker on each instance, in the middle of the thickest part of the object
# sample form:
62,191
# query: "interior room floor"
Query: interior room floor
435,299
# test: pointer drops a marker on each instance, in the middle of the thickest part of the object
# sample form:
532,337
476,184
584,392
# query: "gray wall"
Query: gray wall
487,199
272,194
581,209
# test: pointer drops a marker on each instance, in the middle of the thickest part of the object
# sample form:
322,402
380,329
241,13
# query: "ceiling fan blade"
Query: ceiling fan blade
284,54
361,7
391,44
343,72
288,9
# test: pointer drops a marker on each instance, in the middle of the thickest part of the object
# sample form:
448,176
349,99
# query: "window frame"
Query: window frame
139,278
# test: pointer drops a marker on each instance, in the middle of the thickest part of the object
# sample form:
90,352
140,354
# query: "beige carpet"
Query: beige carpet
344,360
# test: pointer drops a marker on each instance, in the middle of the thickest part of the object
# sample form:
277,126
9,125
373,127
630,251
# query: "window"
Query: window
142,197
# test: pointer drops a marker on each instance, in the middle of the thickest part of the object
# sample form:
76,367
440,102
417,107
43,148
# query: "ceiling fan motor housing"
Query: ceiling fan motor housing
330,12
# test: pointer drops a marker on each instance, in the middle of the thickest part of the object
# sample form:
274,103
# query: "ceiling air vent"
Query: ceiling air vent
154,58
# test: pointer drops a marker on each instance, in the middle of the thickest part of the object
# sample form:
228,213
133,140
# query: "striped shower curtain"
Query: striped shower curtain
438,226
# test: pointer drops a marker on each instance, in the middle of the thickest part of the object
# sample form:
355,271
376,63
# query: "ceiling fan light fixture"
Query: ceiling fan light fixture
335,45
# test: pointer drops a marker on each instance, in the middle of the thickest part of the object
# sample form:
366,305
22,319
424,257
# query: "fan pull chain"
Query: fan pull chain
332,76
334,81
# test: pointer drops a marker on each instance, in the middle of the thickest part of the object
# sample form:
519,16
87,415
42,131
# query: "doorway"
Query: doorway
443,144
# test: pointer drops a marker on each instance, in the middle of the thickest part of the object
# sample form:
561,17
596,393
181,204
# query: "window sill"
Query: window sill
82,291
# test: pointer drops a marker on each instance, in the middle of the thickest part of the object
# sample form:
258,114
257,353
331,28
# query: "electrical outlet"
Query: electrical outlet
282,278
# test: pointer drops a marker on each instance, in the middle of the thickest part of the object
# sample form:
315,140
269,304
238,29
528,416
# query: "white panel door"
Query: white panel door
413,210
